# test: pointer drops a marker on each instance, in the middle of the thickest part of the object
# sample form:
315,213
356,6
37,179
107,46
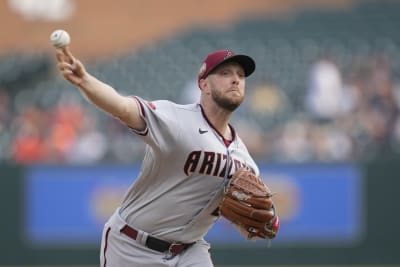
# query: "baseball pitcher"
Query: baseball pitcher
186,179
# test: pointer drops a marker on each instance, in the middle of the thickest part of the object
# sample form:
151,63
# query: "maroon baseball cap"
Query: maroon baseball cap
216,58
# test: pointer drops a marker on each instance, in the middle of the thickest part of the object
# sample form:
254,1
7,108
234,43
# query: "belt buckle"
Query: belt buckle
175,248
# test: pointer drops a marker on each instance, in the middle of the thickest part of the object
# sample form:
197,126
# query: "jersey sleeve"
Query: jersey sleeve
162,125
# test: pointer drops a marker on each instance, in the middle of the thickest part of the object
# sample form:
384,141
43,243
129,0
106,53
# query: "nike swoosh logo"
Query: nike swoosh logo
202,131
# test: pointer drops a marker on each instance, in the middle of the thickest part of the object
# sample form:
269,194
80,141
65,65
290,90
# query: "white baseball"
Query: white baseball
60,38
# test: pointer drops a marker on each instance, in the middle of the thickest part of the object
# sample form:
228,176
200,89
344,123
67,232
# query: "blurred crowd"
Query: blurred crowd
346,115
66,133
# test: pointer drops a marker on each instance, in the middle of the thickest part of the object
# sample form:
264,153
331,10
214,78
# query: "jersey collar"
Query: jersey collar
227,142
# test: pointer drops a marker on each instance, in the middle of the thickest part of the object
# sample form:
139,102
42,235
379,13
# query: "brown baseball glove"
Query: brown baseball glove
248,204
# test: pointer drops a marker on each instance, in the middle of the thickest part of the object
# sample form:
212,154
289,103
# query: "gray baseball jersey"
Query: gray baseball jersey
181,180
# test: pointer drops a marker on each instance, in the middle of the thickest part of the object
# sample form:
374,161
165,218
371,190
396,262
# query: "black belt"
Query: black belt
155,243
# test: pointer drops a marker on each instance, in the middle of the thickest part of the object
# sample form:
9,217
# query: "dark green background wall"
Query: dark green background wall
380,244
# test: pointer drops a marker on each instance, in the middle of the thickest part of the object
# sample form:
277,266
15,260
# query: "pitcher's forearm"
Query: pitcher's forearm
102,95
109,100
97,92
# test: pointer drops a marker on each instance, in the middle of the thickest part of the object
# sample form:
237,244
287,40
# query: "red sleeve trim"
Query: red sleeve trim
143,114
142,110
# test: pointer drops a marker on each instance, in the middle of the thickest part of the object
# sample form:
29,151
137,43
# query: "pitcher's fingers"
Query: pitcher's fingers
66,72
68,54
64,65
60,56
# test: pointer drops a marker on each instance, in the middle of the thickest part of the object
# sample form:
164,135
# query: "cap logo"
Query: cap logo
228,54
202,69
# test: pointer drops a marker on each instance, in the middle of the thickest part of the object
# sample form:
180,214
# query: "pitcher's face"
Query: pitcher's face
227,85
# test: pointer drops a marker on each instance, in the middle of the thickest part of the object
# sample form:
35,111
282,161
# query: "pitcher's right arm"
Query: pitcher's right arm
102,95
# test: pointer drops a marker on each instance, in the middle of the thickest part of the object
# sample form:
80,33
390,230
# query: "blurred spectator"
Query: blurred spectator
326,97
254,136
29,143
66,120
382,110
124,147
4,109
90,145
294,144
330,143
372,123
5,120
267,99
